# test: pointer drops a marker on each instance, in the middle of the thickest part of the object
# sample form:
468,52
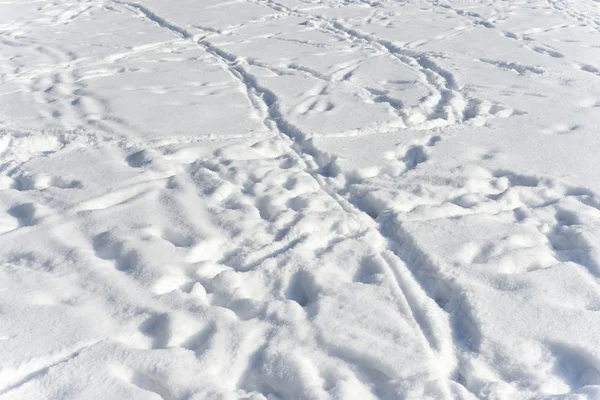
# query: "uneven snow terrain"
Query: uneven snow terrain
299,199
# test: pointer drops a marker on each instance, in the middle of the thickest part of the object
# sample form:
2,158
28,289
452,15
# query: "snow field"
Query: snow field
299,200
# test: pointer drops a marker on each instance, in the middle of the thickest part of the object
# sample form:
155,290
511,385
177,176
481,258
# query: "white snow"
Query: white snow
299,199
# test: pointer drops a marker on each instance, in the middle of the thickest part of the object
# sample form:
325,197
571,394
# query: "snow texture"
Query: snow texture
299,199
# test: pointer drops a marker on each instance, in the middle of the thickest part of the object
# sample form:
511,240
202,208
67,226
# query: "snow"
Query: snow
299,199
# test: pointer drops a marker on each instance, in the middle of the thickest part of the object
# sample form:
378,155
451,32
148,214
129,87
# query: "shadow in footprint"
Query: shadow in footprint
158,329
302,289
24,213
200,341
140,158
108,247
415,156
152,384
576,366
370,271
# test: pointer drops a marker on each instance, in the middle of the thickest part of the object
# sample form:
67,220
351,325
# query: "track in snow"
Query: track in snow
345,216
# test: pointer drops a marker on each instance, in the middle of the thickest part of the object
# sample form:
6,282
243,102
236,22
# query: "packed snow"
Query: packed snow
299,199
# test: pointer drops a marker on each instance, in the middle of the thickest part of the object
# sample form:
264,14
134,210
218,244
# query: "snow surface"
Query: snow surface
299,199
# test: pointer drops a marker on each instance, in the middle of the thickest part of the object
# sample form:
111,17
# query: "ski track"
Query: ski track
253,253
573,13
449,103
276,121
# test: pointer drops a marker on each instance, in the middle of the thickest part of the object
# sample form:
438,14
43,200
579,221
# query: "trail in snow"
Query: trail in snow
299,200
